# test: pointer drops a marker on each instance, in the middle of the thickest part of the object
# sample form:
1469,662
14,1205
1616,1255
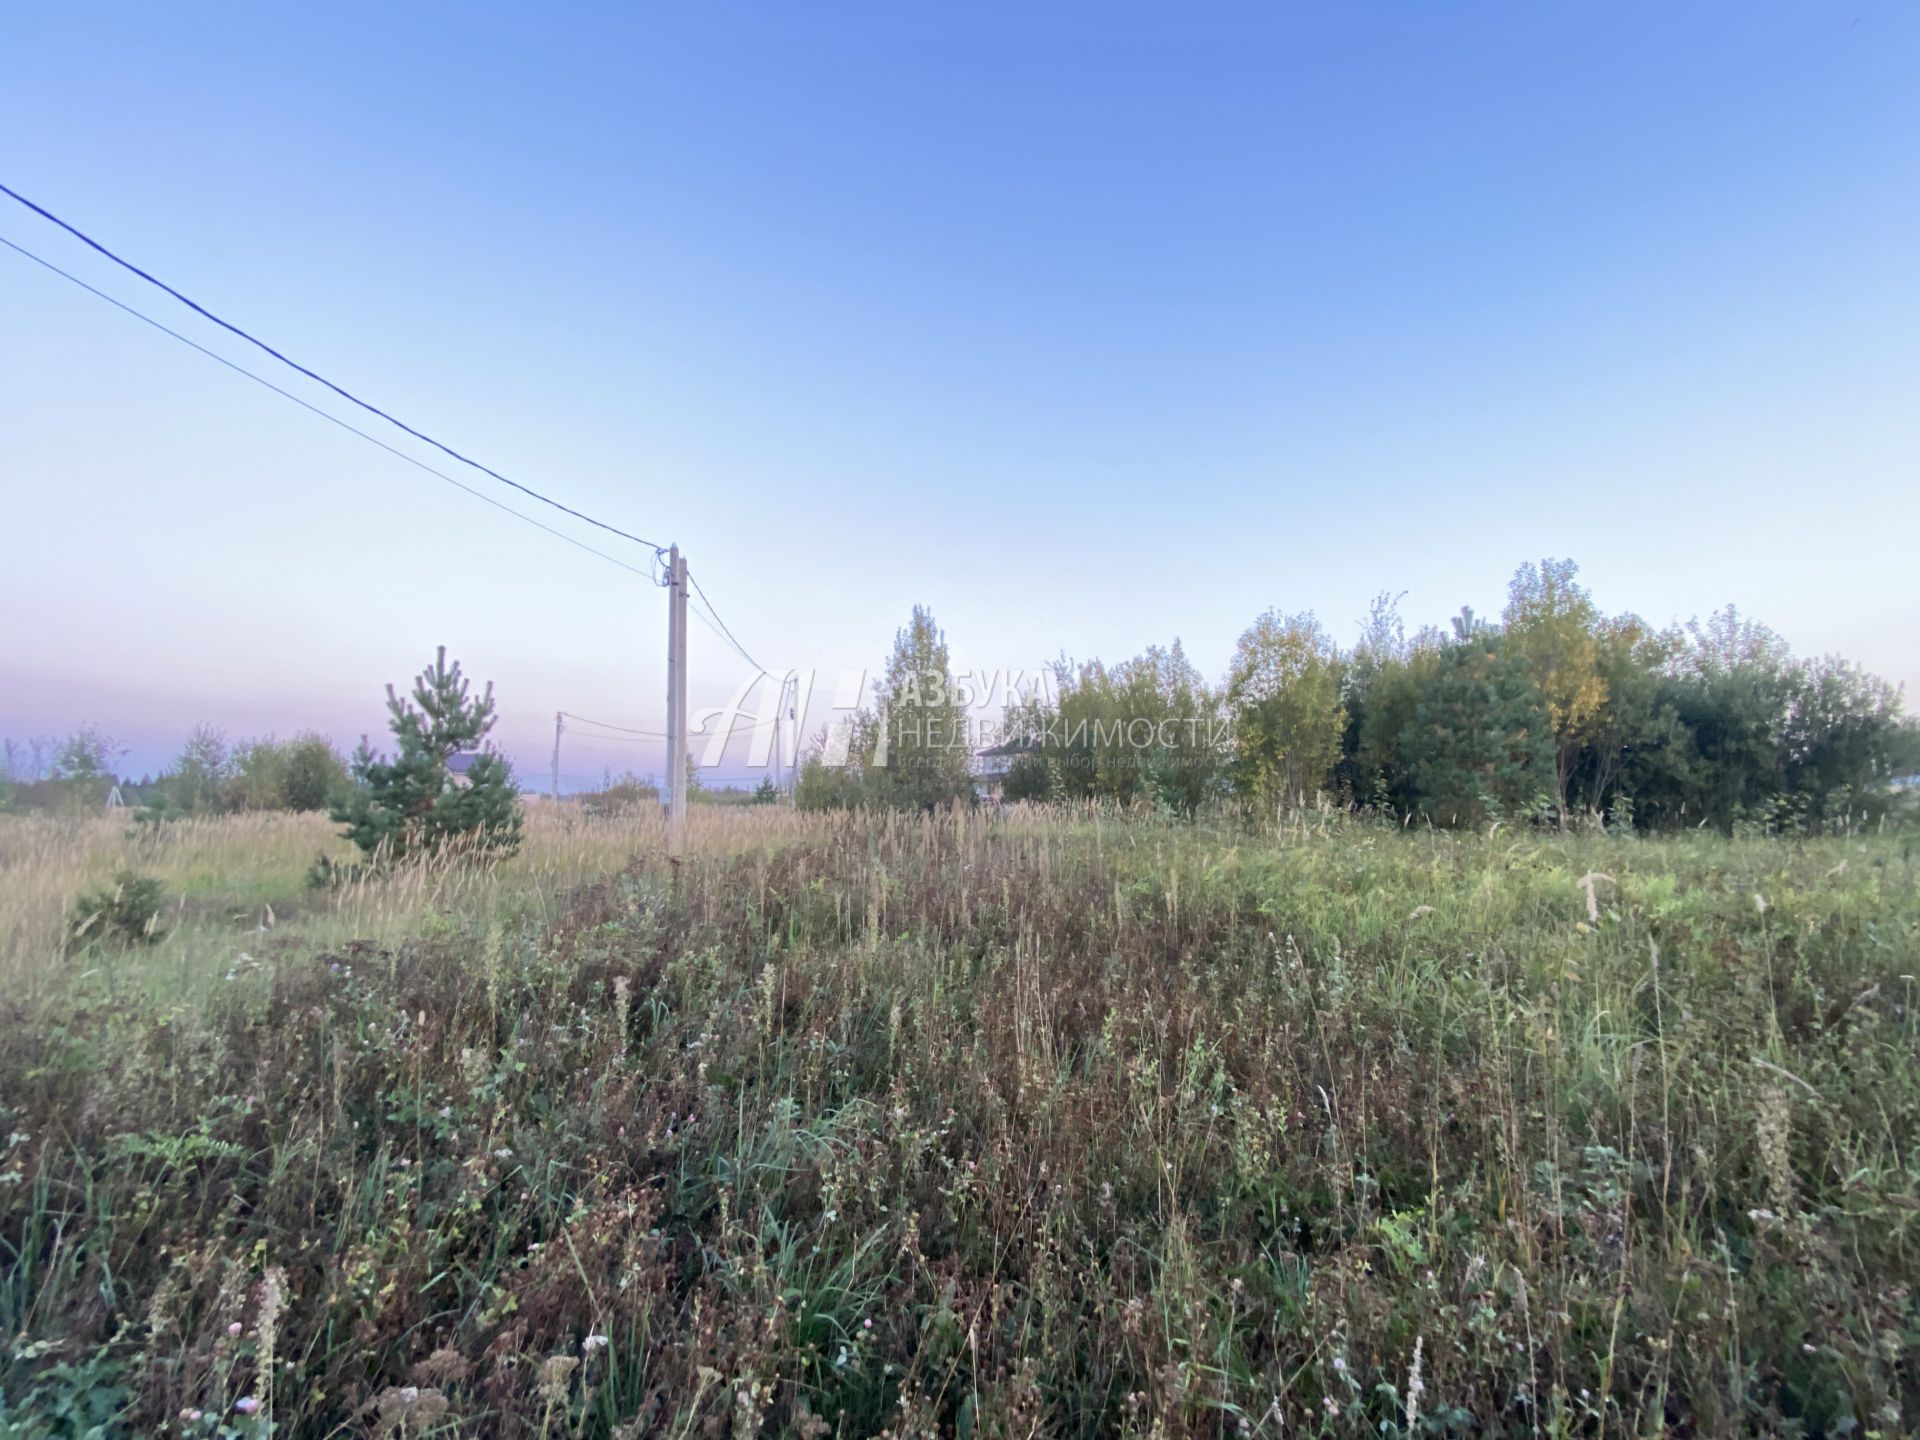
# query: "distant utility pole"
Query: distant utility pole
676,704
559,720
774,777
792,756
786,723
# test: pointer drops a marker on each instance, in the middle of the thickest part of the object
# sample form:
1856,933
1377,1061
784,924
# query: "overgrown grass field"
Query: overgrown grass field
1046,1124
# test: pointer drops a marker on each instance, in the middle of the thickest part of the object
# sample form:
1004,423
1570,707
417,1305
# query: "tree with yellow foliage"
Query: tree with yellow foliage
1551,622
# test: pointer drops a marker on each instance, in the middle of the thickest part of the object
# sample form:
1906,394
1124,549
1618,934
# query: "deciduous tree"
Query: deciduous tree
1550,623
1284,693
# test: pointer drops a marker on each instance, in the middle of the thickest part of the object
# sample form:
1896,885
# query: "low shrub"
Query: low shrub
125,913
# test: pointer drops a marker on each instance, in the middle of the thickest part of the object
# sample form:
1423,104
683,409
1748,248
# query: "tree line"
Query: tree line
212,775
1555,711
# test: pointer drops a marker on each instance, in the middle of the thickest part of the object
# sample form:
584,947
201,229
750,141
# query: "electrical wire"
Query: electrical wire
700,613
625,730
727,633
351,429
608,725
316,377
716,623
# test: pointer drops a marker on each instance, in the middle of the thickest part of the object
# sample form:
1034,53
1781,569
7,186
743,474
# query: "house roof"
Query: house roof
1019,745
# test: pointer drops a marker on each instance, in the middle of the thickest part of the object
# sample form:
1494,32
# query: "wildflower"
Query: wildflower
246,1404
1773,1135
234,1328
1416,1386
503,1153
593,1343
273,1295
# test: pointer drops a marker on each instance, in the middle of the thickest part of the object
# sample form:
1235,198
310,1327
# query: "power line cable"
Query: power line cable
351,429
699,613
608,725
627,730
316,377
727,632
715,623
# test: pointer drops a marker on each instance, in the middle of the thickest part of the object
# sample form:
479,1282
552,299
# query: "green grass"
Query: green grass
1056,1124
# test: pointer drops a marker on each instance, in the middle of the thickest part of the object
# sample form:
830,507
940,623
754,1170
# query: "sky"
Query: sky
1089,326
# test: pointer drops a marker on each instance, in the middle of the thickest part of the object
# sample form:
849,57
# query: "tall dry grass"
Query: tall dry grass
1057,1123
229,876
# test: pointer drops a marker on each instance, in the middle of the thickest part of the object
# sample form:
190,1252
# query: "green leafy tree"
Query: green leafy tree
1030,777
313,774
83,765
1551,623
1481,741
915,753
1729,682
1634,731
260,776
821,786
1142,731
85,755
304,773
412,804
1289,721
1377,696
1845,740
202,776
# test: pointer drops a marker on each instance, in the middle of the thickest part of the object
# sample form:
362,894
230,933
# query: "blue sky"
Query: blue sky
1088,326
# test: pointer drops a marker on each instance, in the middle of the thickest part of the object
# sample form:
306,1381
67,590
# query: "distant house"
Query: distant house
990,767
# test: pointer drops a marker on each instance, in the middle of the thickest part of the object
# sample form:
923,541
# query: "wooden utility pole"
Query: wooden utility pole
676,704
558,725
